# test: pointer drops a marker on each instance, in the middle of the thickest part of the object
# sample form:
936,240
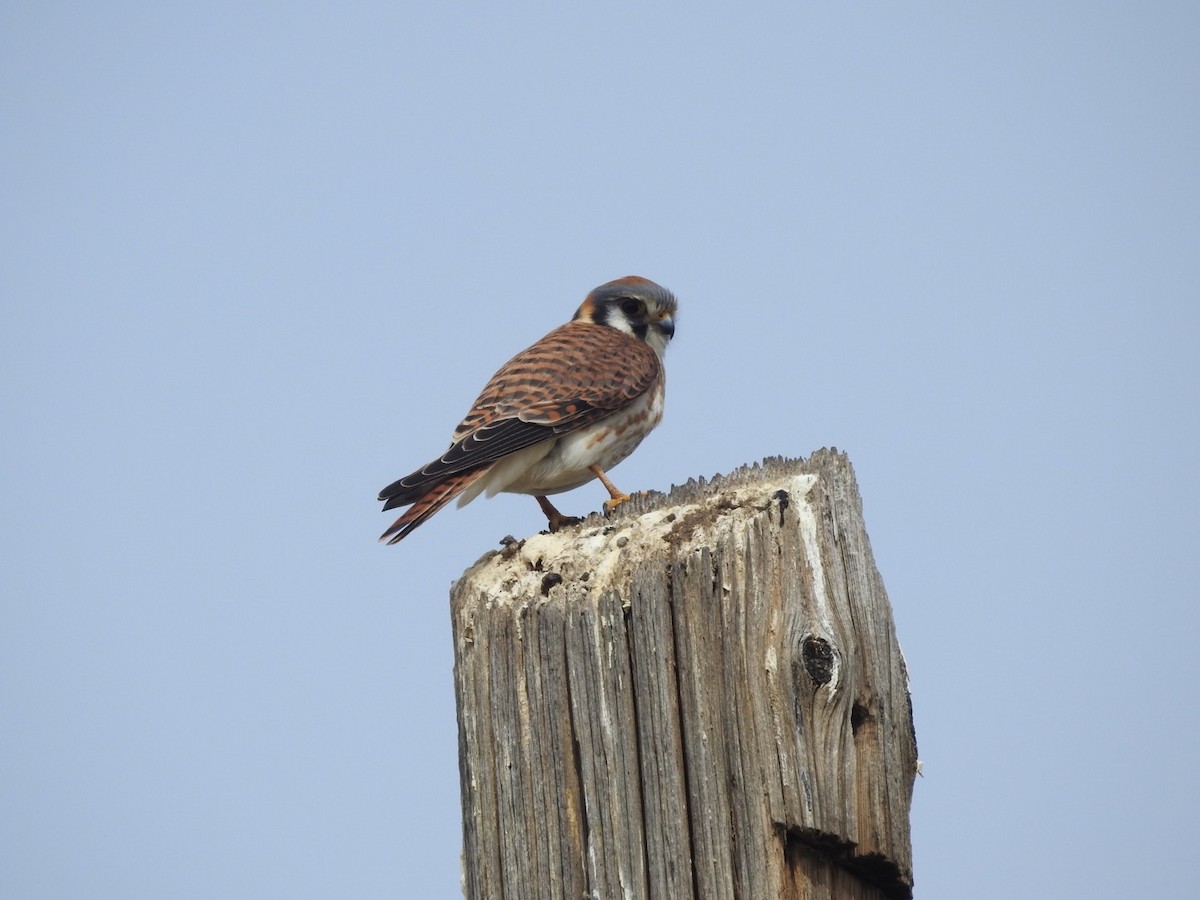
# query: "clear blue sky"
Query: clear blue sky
257,259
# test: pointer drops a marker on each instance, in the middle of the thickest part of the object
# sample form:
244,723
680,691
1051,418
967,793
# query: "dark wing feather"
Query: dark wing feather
429,503
574,376
477,449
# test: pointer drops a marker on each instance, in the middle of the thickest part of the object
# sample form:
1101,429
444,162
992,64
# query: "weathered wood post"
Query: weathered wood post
701,697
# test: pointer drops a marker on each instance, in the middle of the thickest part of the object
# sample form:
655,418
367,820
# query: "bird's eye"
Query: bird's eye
631,307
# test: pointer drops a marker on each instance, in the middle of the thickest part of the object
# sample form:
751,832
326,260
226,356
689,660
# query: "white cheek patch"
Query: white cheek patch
617,320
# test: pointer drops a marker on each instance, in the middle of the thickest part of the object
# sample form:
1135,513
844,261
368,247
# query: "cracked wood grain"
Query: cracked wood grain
707,700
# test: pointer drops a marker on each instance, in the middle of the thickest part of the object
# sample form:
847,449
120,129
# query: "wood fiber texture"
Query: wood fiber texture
701,697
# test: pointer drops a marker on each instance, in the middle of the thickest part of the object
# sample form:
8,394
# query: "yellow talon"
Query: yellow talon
618,496
617,500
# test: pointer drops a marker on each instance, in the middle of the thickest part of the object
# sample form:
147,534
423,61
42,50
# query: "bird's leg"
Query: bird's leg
556,519
618,497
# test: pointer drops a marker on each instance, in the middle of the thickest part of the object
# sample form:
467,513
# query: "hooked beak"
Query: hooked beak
666,326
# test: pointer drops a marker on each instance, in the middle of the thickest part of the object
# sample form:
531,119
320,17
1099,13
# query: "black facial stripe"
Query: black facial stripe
610,311
614,310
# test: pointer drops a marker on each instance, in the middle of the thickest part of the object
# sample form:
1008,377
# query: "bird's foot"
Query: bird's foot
617,499
618,496
561,522
556,520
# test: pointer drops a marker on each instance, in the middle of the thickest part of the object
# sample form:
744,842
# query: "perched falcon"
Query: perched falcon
557,414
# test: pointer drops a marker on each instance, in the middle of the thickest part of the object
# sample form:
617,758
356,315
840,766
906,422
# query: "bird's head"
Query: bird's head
634,305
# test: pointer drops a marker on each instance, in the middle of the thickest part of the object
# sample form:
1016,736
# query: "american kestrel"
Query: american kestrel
558,414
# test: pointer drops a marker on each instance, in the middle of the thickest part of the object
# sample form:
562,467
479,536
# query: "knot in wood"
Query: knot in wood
818,659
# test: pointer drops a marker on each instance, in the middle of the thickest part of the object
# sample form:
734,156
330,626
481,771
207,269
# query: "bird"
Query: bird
559,414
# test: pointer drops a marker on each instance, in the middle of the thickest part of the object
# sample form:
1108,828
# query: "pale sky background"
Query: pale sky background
257,259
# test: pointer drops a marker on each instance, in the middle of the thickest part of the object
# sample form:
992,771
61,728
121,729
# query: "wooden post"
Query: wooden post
701,697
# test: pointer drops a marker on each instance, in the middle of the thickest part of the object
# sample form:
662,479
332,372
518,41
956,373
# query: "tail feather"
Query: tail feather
434,499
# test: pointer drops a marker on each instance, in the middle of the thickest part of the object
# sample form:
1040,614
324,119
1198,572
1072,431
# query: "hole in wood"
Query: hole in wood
859,716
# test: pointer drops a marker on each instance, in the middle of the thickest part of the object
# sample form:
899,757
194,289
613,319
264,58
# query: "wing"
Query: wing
574,376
